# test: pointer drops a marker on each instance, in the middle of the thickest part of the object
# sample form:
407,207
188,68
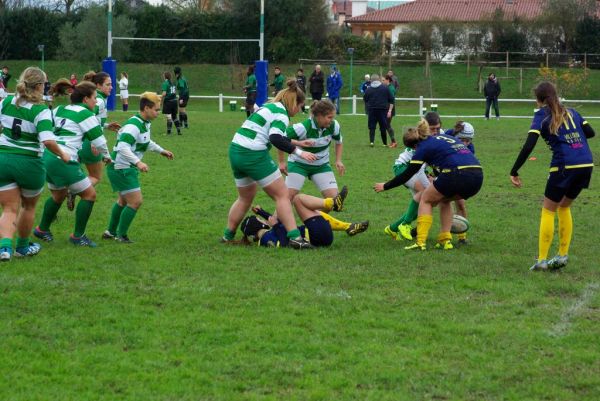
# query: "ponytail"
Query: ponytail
546,94
291,96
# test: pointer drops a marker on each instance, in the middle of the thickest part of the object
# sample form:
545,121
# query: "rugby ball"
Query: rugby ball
459,224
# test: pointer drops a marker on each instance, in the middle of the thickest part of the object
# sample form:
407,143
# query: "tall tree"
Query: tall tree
560,19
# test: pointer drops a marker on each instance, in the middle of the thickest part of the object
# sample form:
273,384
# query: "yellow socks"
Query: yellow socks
327,204
444,236
546,233
565,230
336,225
423,226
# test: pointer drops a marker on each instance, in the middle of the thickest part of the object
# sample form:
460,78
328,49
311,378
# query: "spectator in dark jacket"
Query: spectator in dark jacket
491,90
301,79
316,83
380,103
334,85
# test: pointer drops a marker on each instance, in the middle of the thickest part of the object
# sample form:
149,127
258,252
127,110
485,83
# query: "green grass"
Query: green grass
445,81
179,316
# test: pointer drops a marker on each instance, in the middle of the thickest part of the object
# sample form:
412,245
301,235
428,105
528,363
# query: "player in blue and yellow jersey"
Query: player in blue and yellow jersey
566,133
460,177
27,129
169,101
252,164
74,124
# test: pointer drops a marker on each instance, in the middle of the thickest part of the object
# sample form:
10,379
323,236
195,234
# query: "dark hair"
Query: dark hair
125,74
167,75
546,94
78,92
432,118
100,77
250,70
177,70
322,107
277,68
459,127
89,76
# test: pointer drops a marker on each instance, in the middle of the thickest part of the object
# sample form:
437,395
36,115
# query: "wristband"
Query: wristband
298,152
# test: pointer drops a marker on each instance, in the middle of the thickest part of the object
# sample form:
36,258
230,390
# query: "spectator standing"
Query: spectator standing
316,83
73,80
390,84
363,88
250,90
5,76
380,104
334,84
301,79
492,90
278,81
395,81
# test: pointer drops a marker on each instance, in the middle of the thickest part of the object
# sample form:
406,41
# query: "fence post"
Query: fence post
468,63
547,65
584,62
507,64
521,80
421,105
353,104
220,102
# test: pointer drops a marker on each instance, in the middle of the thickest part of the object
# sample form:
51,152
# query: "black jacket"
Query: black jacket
316,82
492,88
378,96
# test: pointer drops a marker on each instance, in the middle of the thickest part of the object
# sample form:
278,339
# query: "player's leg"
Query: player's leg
115,216
24,223
461,210
239,208
444,240
383,127
87,195
174,117
10,195
133,202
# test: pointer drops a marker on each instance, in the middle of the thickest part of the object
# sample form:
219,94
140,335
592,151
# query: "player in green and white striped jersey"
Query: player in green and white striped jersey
27,129
132,142
321,129
251,162
75,123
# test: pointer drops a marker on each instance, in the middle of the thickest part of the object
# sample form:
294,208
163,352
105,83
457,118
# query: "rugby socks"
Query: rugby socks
115,216
336,225
169,127
462,236
6,243
443,237
125,107
424,223
127,217
183,119
50,210
565,230
22,242
178,126
546,233
408,217
295,233
327,204
82,215
228,234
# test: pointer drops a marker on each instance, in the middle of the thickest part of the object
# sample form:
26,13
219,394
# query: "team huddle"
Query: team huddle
438,168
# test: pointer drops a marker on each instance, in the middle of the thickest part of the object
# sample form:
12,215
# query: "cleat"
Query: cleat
541,265
558,262
405,231
463,242
123,239
415,246
445,245
357,228
371,144
70,201
82,241
300,243
108,235
384,145
5,254
394,234
338,201
413,232
30,250
43,235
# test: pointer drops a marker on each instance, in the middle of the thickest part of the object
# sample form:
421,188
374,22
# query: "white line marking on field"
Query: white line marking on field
340,294
561,328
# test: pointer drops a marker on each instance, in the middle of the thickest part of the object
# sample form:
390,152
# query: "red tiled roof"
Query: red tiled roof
451,10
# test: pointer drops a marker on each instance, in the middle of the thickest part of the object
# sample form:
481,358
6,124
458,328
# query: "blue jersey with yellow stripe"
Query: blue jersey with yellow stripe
569,145
444,152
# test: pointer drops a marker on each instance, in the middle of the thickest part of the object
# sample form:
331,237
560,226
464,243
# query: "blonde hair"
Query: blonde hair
413,136
26,87
291,96
148,99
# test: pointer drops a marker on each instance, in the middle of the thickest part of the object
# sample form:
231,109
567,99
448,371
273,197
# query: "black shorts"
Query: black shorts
464,182
319,231
170,107
567,183
250,100
183,100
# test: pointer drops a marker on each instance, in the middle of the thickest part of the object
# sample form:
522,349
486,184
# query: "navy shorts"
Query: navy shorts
183,100
319,231
567,183
464,182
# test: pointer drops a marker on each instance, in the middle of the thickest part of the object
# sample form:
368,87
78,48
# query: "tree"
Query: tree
86,41
560,19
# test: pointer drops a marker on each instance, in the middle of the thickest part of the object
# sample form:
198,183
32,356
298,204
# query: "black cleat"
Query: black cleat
338,201
357,228
123,239
300,243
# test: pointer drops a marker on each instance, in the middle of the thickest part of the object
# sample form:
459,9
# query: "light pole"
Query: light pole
351,52
41,49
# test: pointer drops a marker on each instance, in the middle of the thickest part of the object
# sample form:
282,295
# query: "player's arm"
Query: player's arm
400,179
526,150
588,131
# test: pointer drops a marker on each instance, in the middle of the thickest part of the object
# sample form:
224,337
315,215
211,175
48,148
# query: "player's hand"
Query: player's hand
340,168
516,181
94,150
143,167
168,154
283,168
378,187
107,160
306,143
309,157
114,126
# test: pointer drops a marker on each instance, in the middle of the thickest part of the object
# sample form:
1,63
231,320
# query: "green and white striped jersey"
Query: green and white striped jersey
308,129
25,127
100,109
272,118
405,157
133,140
74,123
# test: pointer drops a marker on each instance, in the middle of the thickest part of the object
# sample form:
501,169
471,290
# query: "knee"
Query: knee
89,194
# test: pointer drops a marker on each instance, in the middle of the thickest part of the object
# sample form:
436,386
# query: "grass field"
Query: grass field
179,316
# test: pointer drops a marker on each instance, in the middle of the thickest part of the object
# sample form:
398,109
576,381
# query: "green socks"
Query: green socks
228,234
6,243
50,210
115,216
82,215
127,216
408,217
295,233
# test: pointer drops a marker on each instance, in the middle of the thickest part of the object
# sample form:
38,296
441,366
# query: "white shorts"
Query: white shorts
421,177
247,181
323,181
73,188
124,94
